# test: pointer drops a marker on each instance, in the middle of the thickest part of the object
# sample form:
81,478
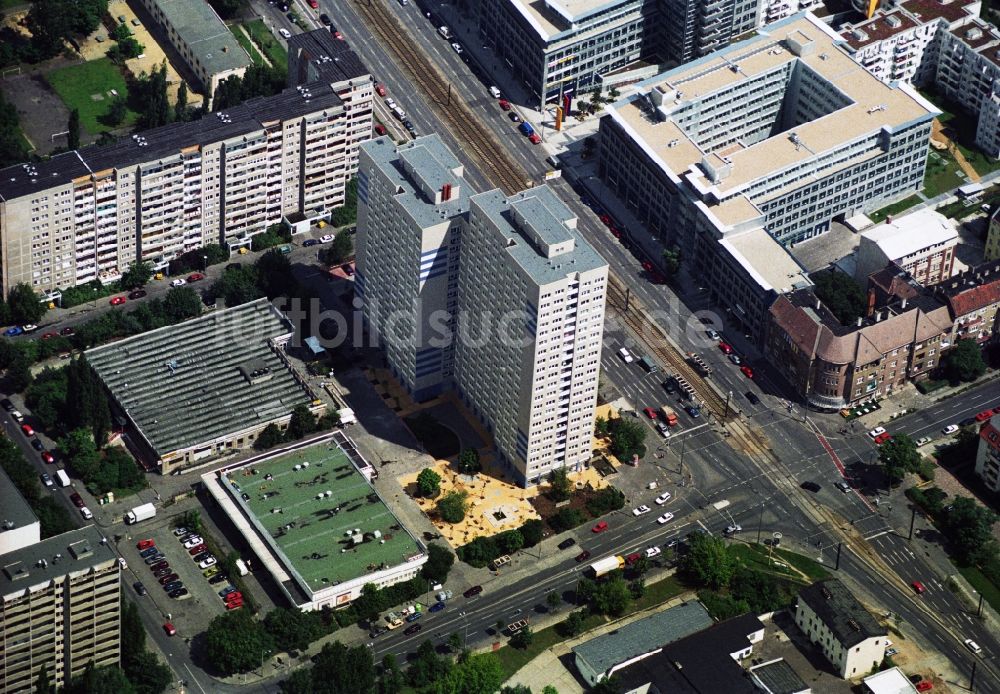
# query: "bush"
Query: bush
931,500
605,501
428,483
567,518
481,551
722,606
452,506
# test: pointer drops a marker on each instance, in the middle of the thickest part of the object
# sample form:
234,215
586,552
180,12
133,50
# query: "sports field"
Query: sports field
313,532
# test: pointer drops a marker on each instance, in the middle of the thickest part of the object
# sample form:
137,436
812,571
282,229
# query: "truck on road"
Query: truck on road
648,364
140,513
669,416
607,565
62,477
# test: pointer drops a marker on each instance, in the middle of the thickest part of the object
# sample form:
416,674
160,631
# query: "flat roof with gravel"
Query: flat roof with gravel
309,503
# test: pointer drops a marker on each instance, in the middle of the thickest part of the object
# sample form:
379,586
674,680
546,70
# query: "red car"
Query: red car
918,587
534,138
747,371
600,527
582,556
504,104
984,415
379,129
650,412
313,4
647,266
380,89
234,597
48,336
169,628
197,549
118,300
238,604
77,500
725,347
924,685
606,220
145,544
28,431
615,231
47,457
882,438
195,276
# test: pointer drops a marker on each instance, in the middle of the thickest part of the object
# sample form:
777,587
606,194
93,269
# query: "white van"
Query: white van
973,646
85,512
494,92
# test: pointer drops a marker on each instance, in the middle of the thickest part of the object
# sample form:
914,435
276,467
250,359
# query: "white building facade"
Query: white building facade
847,634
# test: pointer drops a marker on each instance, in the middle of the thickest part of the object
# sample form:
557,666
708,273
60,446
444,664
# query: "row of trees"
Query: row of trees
258,80
627,436
302,423
13,147
482,550
52,24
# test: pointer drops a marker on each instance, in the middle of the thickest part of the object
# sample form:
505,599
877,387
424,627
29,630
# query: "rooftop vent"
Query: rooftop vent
893,21
974,33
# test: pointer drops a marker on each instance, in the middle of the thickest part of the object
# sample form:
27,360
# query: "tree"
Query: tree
439,562
392,678
964,362
477,674
339,251
455,641
899,456
274,274
19,373
150,98
560,486
523,638
237,286
427,667
143,669
80,452
234,642
25,305
533,530
671,258
627,436
108,679
180,106
601,428
299,682
340,669
969,529
841,294
612,685
452,506
181,303
428,483
269,437
553,600
468,462
510,541
612,597
567,518
572,625
73,128
708,561
117,111
12,146
226,8
348,212
191,520
137,275
43,685
302,423
293,630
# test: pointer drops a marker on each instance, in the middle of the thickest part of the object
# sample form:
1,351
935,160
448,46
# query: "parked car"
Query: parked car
206,563
436,607
663,498
179,594
567,543
137,294
640,510
218,578
139,588
77,500
118,300
950,429
412,629
167,578
181,532
625,355
169,629
600,527
172,586
876,432
195,277
652,552
726,348
145,544
197,549
473,591
665,518
48,457
285,33
226,591
46,480
582,556
179,282
810,486
193,542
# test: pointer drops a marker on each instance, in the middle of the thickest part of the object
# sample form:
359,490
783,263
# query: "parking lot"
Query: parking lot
193,612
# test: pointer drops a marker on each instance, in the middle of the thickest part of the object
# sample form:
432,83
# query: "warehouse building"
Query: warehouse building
203,388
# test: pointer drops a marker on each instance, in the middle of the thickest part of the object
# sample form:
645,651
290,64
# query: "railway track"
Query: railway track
492,158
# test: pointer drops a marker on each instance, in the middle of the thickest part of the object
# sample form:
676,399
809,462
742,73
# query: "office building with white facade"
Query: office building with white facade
531,319
939,45
60,608
89,214
773,137
498,297
412,206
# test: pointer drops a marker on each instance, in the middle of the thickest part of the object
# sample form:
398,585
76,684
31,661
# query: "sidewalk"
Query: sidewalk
908,399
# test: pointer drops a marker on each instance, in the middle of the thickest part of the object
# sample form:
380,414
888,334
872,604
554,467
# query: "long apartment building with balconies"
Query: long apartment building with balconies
59,609
90,213
497,297
761,145
942,45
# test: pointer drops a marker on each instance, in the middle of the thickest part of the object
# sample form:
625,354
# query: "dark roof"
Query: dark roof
879,28
926,10
250,116
75,551
841,612
700,663
971,290
15,513
779,677
331,58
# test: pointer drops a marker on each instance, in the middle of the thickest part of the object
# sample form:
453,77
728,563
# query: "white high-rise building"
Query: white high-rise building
499,297
412,201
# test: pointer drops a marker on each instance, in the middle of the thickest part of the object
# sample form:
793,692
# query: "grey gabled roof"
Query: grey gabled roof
836,606
187,384
643,636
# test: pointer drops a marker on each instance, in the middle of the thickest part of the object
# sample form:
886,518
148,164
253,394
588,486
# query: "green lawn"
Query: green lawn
989,590
895,208
272,47
7,4
241,37
942,174
77,84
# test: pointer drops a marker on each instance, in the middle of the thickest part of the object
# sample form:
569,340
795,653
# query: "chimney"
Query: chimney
446,192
